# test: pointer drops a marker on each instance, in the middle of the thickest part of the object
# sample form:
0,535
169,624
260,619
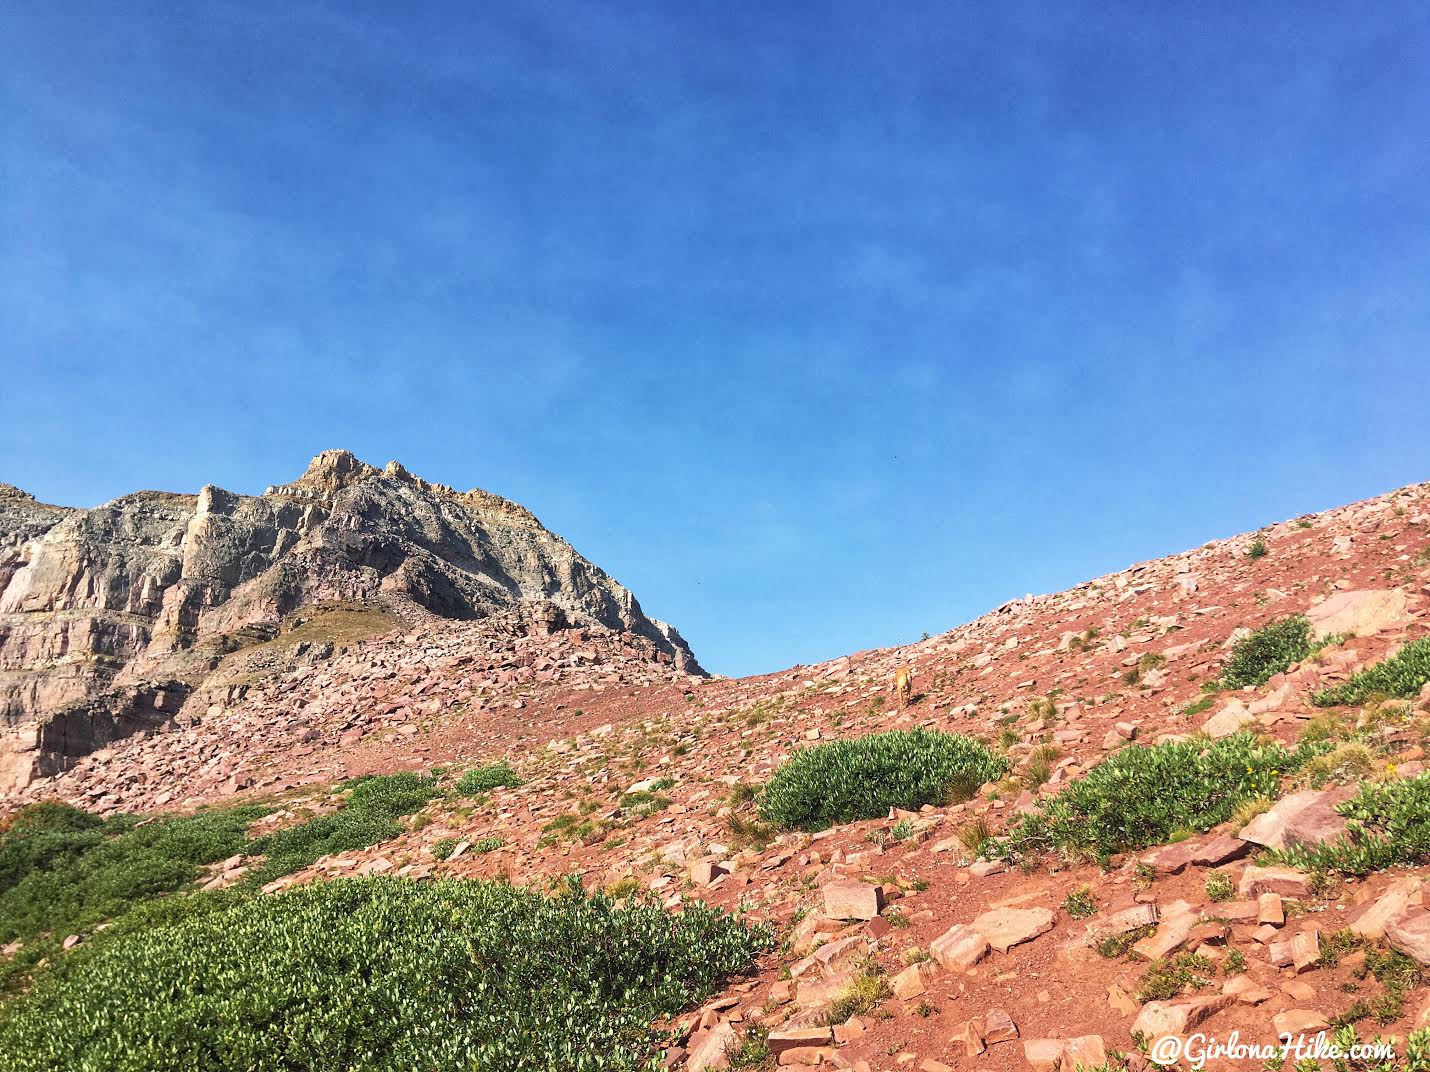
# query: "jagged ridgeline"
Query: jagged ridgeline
115,619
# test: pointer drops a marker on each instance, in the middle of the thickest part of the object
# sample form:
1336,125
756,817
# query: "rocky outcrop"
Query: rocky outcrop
164,587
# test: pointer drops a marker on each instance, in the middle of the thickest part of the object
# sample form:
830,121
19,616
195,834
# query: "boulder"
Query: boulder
1306,819
959,948
848,898
1360,613
1410,934
1159,1018
1006,927
1286,881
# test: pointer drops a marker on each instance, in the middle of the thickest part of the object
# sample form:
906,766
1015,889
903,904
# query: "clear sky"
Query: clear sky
818,325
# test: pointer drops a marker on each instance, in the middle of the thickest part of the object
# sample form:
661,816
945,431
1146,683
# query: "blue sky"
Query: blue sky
818,326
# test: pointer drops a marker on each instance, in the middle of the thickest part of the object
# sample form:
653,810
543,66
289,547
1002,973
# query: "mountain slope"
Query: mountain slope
111,617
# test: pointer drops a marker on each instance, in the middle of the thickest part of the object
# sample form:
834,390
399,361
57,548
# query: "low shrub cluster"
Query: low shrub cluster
1266,652
1389,823
484,779
845,781
1403,675
65,870
1143,794
368,818
383,974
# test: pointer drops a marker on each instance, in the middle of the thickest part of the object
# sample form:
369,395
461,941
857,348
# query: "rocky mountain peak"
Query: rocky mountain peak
163,587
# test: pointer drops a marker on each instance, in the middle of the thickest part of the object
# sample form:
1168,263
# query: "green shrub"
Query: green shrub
1257,549
368,818
1167,979
383,974
62,869
1388,824
485,779
1261,655
1403,675
845,781
1142,794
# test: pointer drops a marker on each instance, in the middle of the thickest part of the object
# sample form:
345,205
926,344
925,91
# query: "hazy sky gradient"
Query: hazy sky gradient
818,325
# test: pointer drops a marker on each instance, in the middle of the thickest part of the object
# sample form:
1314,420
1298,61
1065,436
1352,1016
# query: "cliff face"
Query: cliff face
105,611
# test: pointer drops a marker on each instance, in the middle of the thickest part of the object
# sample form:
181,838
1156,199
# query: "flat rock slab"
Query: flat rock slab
1003,928
848,898
1361,613
1308,818
959,948
1411,935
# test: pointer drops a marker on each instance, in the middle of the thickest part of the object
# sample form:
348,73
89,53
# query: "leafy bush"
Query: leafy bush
1388,823
62,869
1261,655
383,974
368,818
844,781
1143,794
485,779
1403,675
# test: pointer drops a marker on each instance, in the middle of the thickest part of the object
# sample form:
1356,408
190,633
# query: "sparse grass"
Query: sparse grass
1039,766
845,781
865,993
1198,706
975,835
1079,903
1115,946
1352,762
1220,887
1402,676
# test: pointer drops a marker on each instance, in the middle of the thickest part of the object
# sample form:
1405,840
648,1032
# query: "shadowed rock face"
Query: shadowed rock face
102,609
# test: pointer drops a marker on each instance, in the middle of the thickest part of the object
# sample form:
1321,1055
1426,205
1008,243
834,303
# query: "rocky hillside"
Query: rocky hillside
1178,841
148,608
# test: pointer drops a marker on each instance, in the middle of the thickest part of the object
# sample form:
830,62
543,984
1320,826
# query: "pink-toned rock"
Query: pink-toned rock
1410,934
779,1041
998,1026
1246,990
1159,1018
1360,613
1304,819
1397,900
1176,923
970,1033
959,948
913,980
1043,1055
1006,927
707,1050
706,871
1128,919
1269,909
1286,881
1085,1051
1228,721
848,898
1299,1022
1220,850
